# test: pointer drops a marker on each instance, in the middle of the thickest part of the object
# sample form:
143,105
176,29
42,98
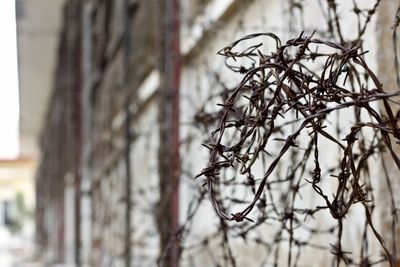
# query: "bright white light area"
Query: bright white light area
9,107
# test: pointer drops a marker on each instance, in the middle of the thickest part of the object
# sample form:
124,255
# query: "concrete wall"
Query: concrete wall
198,83
110,108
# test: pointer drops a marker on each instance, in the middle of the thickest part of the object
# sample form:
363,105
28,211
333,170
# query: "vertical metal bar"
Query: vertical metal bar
128,136
77,127
169,167
86,115
61,93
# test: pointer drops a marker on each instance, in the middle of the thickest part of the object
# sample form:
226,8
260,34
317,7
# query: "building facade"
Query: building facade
121,142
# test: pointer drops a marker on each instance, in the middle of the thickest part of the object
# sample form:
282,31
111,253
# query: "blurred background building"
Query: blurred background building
95,77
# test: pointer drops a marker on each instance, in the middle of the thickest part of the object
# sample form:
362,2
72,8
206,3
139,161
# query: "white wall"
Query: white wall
255,16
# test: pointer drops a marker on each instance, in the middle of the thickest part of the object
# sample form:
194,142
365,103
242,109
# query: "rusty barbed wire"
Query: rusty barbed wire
295,100
282,92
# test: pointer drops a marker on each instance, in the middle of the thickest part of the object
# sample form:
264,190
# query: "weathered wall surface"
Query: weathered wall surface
102,132
387,75
199,82
60,141
85,133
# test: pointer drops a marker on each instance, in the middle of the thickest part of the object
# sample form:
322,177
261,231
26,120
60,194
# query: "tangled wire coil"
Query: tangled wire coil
295,91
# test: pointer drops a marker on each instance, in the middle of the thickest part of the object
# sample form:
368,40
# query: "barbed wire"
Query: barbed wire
268,164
